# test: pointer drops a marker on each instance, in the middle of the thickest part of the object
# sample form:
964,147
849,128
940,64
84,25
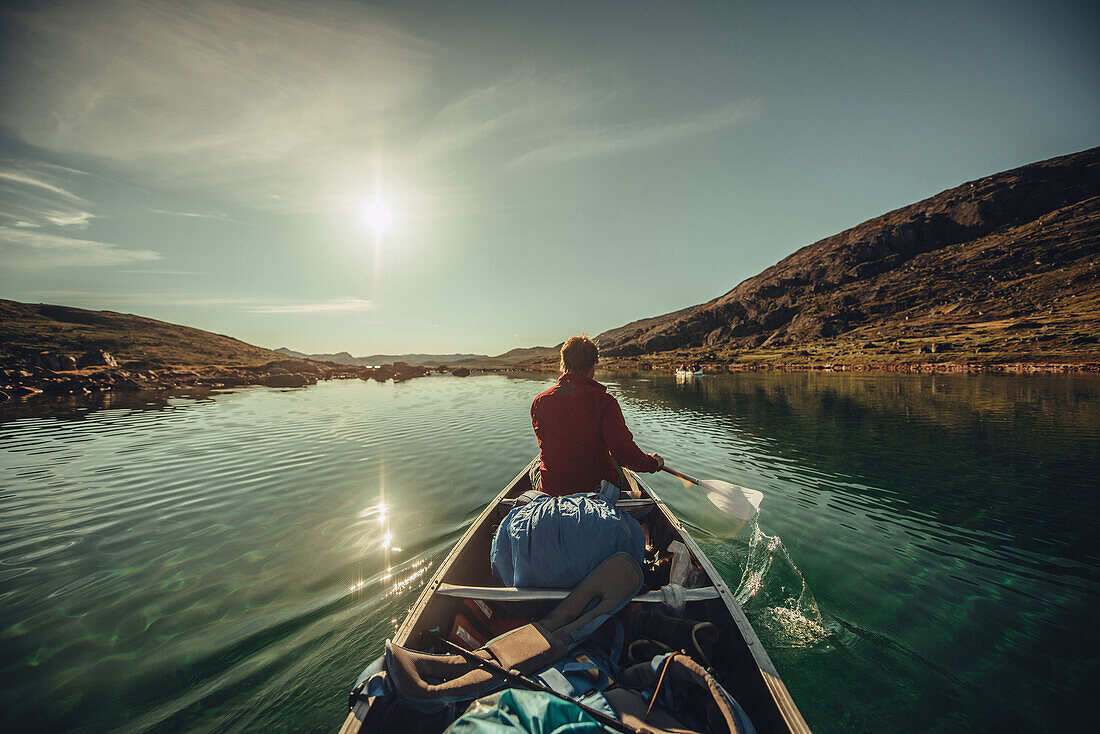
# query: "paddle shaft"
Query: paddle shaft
528,683
737,502
691,479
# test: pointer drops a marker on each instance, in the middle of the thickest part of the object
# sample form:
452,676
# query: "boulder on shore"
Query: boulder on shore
291,365
52,373
96,358
53,361
288,379
461,372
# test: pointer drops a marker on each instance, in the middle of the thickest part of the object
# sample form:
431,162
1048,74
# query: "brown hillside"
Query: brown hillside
26,327
1005,268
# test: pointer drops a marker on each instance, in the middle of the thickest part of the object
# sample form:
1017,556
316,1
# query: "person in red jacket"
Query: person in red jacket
580,428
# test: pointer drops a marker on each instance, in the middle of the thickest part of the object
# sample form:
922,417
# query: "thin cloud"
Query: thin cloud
18,220
342,305
295,107
131,299
198,215
616,139
23,248
255,99
32,214
209,301
33,201
513,108
162,272
28,180
72,218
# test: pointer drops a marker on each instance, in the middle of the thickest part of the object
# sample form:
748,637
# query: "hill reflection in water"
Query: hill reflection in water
944,526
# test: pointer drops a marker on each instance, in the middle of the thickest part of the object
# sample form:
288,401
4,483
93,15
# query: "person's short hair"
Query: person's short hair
579,354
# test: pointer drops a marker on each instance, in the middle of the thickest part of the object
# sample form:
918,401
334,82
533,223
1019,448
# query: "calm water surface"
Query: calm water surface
926,558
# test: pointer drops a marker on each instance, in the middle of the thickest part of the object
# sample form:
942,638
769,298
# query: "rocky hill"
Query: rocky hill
64,351
1002,269
33,327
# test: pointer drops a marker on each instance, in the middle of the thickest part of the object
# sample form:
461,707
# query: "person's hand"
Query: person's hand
660,461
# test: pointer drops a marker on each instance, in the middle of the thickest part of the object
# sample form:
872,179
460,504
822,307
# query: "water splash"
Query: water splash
775,594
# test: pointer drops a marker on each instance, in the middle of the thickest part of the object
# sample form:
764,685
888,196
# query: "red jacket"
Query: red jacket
579,428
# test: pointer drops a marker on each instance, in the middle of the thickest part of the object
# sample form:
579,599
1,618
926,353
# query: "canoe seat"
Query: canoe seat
425,678
511,593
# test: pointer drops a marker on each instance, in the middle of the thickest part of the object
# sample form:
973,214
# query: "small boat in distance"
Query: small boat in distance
685,375
738,660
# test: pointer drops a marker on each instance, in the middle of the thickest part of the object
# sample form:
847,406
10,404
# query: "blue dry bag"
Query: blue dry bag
555,542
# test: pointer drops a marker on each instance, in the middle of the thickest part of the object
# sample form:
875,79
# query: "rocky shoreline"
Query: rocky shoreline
971,368
719,368
58,374
97,372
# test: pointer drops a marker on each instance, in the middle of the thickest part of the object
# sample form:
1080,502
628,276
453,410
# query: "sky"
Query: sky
441,177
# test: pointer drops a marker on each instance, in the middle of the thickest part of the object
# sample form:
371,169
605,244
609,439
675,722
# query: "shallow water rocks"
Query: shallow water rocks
64,387
34,373
381,374
406,371
228,379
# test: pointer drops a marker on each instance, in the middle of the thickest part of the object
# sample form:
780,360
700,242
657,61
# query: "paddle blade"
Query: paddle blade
736,501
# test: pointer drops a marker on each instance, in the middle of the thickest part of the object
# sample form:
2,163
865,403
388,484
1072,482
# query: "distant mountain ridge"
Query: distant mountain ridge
510,358
427,360
1008,264
519,357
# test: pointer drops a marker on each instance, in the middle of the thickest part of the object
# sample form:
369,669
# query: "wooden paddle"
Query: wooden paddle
738,502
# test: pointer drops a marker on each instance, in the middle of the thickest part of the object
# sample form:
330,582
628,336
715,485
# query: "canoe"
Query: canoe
740,663
689,373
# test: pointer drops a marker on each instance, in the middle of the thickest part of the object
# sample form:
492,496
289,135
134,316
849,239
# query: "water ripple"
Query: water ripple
232,563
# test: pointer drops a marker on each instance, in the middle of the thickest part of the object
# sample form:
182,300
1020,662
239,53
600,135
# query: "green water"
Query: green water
926,558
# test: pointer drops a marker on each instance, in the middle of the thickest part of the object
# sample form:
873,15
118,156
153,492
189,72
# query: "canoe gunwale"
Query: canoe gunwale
401,636
354,720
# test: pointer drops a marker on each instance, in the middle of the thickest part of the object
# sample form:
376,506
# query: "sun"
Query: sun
379,215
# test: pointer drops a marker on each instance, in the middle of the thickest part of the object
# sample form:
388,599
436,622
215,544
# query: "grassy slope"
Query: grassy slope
1030,311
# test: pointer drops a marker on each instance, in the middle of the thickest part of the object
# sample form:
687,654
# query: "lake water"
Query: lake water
926,558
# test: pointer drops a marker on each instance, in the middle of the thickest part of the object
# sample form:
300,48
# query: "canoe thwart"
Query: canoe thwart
511,593
625,502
